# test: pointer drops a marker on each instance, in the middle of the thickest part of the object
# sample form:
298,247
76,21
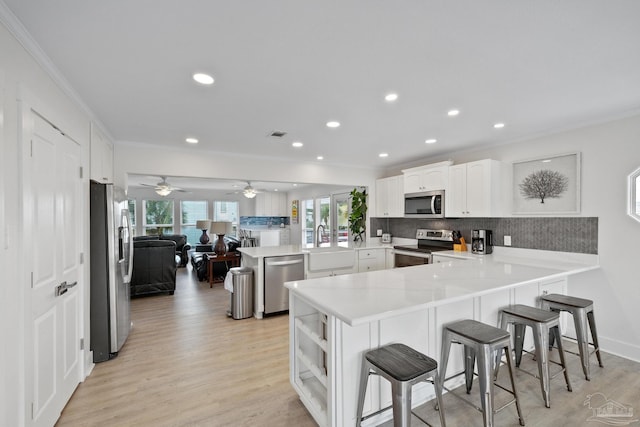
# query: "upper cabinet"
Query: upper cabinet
101,157
427,178
474,189
271,204
390,197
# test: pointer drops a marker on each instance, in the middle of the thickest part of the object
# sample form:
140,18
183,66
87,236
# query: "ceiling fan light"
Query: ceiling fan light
249,193
163,191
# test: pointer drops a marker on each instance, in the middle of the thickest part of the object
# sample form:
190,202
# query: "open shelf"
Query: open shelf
311,325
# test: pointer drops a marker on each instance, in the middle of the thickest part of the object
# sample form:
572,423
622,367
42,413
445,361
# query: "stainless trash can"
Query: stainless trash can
242,295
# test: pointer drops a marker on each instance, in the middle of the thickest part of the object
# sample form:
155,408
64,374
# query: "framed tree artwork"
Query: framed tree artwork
547,185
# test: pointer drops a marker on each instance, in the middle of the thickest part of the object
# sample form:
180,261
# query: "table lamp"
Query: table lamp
203,224
220,228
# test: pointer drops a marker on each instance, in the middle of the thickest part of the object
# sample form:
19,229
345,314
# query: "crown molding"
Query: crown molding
20,33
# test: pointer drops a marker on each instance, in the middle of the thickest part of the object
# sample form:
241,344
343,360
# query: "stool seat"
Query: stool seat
568,300
478,332
531,313
401,362
403,367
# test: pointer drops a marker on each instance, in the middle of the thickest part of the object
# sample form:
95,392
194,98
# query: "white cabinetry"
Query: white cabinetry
271,204
474,189
101,157
371,260
328,273
427,178
390,197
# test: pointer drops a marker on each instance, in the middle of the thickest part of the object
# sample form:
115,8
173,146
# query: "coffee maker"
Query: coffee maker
481,242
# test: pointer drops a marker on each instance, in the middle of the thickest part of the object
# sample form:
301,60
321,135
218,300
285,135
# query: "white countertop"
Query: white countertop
365,297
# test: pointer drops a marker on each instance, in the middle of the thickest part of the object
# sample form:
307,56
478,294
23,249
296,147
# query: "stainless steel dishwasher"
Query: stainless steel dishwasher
277,270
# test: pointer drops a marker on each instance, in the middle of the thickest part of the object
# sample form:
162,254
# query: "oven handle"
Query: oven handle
411,253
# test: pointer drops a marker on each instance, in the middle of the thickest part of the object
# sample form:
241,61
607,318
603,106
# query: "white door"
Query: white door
52,229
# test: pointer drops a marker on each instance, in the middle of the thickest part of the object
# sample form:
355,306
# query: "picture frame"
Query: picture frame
547,185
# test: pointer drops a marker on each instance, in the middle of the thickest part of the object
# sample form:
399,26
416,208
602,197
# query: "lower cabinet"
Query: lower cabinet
371,260
328,273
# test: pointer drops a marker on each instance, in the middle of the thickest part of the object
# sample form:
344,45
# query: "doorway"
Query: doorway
326,221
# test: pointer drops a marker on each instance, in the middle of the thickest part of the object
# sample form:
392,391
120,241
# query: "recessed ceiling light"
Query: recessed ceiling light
383,155
320,158
297,144
275,189
333,124
295,185
498,125
452,113
390,97
546,161
203,79
192,140
431,141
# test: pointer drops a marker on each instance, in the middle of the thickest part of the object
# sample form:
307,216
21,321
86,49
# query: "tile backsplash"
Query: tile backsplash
562,234
263,221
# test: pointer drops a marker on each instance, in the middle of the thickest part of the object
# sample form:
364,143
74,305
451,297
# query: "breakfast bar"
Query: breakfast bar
334,320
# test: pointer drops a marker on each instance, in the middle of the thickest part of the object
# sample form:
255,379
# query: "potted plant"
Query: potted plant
358,215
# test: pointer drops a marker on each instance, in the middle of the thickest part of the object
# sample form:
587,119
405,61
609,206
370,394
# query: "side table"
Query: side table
231,259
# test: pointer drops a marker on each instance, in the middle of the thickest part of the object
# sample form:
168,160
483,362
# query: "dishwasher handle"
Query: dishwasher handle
283,263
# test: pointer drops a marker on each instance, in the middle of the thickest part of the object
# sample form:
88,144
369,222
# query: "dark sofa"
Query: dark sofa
154,267
182,247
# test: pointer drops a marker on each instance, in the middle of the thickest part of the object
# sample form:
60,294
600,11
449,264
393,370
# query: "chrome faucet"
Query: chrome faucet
318,235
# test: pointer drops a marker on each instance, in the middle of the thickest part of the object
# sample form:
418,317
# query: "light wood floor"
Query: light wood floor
187,364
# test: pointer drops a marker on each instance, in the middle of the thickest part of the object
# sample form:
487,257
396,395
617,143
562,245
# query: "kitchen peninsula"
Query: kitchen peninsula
334,320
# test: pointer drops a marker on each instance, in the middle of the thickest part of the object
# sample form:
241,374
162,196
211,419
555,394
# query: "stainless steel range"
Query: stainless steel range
428,241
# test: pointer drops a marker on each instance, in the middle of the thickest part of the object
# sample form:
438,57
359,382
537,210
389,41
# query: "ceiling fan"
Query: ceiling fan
248,191
163,188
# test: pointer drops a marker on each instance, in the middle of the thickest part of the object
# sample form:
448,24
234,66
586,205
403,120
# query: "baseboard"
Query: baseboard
619,348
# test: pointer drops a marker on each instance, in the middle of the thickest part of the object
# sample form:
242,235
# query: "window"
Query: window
132,216
226,211
158,217
634,195
190,212
317,219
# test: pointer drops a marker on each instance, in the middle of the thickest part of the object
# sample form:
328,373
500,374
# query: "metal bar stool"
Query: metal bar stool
582,311
543,323
403,367
484,341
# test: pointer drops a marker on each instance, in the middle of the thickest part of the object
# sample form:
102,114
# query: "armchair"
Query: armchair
154,267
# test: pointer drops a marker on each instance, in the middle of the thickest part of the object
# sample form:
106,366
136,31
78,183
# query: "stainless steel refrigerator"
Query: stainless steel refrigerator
111,264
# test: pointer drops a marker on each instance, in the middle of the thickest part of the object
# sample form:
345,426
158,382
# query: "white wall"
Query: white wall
610,152
24,79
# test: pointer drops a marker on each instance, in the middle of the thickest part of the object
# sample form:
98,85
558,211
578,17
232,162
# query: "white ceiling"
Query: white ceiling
291,65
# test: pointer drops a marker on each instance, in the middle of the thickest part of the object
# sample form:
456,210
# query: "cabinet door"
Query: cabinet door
456,196
479,188
435,179
382,197
390,197
101,157
413,182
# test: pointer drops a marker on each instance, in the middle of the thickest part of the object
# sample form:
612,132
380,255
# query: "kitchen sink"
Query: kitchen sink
329,258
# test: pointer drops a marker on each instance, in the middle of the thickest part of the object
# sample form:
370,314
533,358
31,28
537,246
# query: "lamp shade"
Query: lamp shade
203,224
220,227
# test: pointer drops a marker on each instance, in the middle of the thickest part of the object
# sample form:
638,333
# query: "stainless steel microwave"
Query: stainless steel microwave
427,204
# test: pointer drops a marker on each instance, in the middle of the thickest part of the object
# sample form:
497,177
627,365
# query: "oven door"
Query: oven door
409,258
